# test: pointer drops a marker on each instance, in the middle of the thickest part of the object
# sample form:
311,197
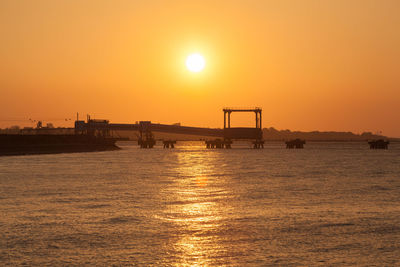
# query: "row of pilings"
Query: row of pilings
374,144
150,143
169,143
257,144
378,144
147,143
219,143
296,143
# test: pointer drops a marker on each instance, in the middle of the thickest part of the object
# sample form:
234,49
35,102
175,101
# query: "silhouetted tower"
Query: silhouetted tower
228,111
244,132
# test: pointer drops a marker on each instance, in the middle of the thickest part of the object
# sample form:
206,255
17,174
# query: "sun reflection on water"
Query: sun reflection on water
201,181
196,206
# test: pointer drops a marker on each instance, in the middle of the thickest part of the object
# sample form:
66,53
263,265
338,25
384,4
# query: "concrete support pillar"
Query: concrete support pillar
224,119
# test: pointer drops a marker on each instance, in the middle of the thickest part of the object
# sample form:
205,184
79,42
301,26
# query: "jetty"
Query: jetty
98,135
222,138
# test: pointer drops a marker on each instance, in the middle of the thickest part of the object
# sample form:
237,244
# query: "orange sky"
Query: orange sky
311,65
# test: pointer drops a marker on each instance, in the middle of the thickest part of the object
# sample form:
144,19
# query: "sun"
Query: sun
195,62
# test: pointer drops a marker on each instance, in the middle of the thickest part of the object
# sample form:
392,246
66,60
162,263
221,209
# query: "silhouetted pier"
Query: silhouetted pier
378,144
224,137
296,143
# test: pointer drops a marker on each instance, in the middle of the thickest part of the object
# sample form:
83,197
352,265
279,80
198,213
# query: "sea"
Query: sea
329,204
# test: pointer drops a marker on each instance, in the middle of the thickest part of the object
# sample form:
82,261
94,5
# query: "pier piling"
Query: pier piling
169,143
378,144
296,143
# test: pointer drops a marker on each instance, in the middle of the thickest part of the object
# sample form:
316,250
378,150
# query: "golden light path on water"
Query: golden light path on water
331,204
197,207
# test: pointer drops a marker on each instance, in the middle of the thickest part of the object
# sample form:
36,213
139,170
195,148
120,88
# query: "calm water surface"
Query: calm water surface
328,204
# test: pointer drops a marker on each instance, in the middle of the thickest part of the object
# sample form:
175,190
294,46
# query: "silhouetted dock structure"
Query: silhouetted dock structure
296,143
223,137
378,144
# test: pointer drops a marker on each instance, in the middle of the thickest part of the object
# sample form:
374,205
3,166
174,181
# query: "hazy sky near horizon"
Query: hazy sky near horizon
311,65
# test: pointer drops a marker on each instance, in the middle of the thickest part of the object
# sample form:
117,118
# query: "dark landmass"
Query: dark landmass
12,144
281,135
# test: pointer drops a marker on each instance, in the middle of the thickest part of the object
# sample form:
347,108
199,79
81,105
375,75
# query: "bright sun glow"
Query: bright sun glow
195,62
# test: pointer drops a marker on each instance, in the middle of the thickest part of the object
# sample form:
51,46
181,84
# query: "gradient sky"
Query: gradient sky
311,65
